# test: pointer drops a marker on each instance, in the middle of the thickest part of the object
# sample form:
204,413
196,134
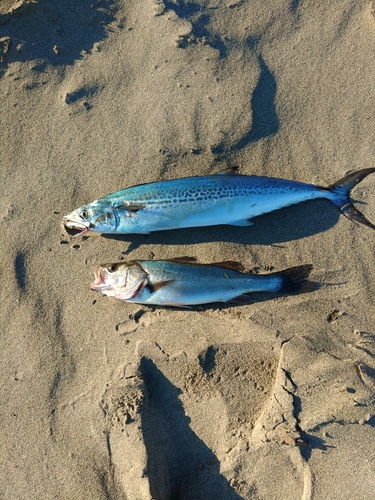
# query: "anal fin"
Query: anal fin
241,299
242,223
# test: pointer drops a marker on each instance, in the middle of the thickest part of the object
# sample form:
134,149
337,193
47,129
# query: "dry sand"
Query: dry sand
102,399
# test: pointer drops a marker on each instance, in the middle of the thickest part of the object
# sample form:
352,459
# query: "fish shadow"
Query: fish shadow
54,32
272,229
179,464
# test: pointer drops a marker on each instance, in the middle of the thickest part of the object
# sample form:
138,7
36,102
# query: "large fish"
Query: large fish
183,282
222,198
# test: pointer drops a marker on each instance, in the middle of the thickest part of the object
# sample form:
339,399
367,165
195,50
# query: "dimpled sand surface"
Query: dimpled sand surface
102,399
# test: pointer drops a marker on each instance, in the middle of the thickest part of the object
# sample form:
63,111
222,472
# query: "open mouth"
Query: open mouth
74,228
99,279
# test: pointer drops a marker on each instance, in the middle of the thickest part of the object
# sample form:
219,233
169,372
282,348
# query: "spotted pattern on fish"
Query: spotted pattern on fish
225,198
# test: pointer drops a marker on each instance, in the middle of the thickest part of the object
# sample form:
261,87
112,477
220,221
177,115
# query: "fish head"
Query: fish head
123,280
97,216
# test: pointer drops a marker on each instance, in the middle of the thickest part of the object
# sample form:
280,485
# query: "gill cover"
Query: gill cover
124,280
97,216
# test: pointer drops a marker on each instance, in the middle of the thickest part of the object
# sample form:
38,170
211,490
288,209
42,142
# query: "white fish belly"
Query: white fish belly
184,294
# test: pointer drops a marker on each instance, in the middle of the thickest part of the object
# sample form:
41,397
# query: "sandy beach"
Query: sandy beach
103,399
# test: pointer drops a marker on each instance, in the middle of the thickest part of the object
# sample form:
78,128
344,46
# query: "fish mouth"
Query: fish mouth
99,279
75,228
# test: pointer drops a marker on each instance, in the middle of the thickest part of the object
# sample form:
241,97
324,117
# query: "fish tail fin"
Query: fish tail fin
341,191
294,279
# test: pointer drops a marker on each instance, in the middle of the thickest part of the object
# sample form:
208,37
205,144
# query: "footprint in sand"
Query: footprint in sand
121,405
153,450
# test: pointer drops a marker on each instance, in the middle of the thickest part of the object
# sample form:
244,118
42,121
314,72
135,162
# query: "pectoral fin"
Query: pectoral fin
158,285
132,208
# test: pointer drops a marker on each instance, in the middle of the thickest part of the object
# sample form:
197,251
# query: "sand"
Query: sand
103,399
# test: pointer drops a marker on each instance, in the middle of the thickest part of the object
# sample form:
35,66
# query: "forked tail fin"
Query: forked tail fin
341,191
294,279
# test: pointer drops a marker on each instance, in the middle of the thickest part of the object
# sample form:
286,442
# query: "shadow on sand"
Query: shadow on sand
179,465
55,32
272,229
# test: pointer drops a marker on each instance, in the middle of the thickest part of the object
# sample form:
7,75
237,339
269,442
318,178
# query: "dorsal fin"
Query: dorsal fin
184,260
230,264
228,171
226,264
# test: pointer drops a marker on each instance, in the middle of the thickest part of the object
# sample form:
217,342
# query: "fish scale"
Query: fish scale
183,282
222,198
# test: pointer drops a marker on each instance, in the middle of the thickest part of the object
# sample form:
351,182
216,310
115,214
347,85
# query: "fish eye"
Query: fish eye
84,214
112,268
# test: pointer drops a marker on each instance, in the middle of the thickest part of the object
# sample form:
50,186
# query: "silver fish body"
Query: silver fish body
223,198
182,282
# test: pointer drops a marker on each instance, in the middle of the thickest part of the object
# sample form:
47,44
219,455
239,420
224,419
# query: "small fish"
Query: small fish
223,198
182,282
